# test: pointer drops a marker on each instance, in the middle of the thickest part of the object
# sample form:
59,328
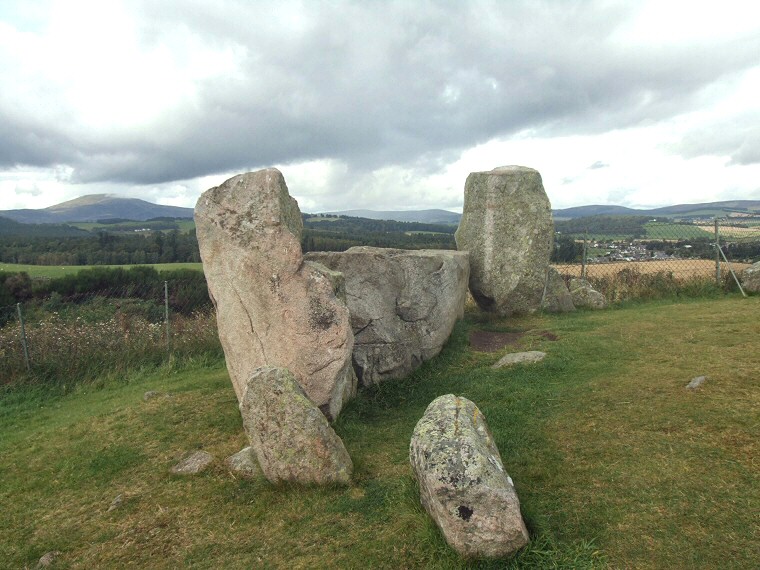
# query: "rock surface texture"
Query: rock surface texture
585,296
403,305
513,358
243,463
193,463
557,298
273,309
751,278
289,434
507,228
463,485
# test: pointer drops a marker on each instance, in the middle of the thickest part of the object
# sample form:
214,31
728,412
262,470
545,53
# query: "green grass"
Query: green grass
52,271
183,226
614,461
661,230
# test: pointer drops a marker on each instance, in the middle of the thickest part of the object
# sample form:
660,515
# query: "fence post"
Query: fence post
585,253
717,252
23,337
166,315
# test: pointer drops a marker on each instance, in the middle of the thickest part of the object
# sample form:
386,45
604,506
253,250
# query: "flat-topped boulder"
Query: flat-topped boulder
272,307
403,305
507,227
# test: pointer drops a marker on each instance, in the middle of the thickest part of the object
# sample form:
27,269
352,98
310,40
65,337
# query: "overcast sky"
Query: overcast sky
382,105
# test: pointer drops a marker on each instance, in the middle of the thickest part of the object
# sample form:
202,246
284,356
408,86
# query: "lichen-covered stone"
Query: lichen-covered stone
585,296
273,309
528,357
507,227
751,278
463,484
244,463
193,463
289,435
557,298
403,305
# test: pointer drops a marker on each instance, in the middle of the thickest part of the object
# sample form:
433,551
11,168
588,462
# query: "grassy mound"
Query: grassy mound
614,461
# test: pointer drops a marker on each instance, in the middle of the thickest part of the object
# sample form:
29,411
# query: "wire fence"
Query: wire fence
107,330
665,257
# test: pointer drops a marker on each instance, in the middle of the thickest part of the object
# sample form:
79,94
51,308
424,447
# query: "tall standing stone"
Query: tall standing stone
273,308
507,228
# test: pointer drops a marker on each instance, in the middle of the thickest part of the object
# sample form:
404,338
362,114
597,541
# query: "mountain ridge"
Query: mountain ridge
93,207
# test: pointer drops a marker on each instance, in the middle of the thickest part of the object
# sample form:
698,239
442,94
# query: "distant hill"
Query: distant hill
421,216
678,211
95,207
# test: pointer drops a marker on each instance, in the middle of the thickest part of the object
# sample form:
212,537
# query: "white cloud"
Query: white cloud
379,105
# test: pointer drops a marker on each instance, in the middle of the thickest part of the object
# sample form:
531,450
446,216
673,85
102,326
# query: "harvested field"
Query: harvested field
734,231
680,268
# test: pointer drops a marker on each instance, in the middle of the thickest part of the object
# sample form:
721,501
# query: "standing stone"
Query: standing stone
403,305
585,296
463,485
507,228
557,298
289,435
751,278
273,309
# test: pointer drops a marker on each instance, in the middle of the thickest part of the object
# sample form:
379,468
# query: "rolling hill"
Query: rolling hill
95,207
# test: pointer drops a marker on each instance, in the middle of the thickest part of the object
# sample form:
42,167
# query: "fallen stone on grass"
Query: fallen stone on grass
150,394
47,559
463,484
585,296
116,503
243,463
513,358
696,383
289,434
193,464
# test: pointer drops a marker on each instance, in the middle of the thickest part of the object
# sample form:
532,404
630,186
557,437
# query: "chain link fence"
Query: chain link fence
661,257
72,335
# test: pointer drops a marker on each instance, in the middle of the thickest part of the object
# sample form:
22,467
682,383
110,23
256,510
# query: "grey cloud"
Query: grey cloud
598,164
737,138
373,84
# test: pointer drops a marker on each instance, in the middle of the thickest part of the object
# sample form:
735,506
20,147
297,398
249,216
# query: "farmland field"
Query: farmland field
680,268
51,271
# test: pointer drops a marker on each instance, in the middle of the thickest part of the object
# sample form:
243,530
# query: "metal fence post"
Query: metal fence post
717,252
166,315
23,337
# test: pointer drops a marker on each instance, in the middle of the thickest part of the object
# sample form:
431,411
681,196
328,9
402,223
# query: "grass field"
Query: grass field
680,268
183,226
660,230
59,271
615,463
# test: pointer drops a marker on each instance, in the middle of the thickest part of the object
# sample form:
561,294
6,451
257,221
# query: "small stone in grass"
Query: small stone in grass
47,559
528,357
116,503
696,382
193,464
150,394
